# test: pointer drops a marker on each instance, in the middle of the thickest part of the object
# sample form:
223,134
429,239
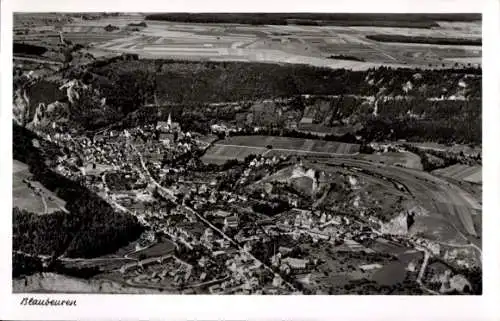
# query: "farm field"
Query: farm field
293,144
460,172
219,154
296,44
445,148
239,147
92,36
404,159
35,199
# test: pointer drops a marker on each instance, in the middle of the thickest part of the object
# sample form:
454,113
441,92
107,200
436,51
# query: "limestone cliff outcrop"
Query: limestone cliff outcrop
37,114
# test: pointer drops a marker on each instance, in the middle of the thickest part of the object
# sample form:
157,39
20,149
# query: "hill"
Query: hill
376,104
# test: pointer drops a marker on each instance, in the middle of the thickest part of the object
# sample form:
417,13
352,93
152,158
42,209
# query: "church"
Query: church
168,126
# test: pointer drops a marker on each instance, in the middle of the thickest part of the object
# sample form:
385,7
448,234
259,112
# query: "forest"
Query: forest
414,107
20,48
428,40
207,82
319,19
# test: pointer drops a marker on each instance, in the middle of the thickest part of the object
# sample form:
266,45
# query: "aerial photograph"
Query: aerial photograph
247,153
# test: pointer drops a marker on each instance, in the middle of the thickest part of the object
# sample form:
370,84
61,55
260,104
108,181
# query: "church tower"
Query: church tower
61,38
169,121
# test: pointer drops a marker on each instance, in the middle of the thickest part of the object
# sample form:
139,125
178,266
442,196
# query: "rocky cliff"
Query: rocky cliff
40,103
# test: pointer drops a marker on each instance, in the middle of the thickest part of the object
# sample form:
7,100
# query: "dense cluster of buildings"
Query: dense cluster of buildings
191,210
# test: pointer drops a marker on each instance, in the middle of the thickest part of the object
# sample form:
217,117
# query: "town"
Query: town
138,175
222,240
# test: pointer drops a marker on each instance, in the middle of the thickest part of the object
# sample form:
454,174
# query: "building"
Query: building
167,126
231,222
208,235
218,128
295,264
221,213
284,250
166,138
223,243
368,267
277,281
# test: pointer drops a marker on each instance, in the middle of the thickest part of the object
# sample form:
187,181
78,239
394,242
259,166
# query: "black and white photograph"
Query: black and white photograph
247,153
253,161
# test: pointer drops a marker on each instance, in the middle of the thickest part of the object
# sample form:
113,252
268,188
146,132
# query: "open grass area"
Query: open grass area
404,159
31,195
219,154
239,147
293,144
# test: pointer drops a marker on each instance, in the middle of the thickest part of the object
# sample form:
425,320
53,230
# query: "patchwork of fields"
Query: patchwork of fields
307,45
239,147
313,45
219,154
461,172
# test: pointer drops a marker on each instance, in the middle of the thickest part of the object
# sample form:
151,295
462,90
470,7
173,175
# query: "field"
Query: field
300,44
460,172
294,144
239,147
219,154
290,44
444,148
404,159
92,36
35,199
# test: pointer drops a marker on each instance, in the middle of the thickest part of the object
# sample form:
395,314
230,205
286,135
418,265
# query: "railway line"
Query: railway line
438,196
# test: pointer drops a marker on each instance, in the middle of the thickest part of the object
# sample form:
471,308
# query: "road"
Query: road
213,227
424,264
45,208
422,271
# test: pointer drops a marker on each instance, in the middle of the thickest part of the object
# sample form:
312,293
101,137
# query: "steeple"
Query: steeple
169,120
61,38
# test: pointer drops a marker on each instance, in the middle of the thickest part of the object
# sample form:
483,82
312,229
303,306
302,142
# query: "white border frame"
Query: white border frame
206,307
